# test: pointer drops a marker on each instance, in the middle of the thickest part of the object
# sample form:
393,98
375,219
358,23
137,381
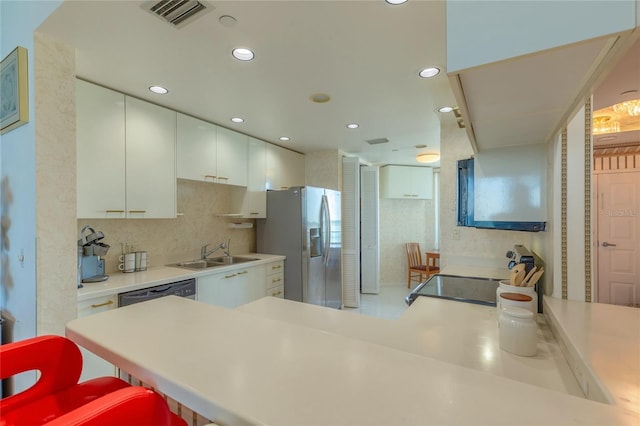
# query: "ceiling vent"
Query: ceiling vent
377,141
178,13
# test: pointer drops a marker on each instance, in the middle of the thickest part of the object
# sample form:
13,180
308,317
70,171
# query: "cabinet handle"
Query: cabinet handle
276,293
243,272
230,276
223,178
137,211
99,305
276,267
276,281
115,211
209,176
254,213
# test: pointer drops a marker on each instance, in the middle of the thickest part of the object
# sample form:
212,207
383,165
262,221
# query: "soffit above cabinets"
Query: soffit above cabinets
525,100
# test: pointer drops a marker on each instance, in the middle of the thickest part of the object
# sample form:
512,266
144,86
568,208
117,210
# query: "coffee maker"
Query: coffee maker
90,251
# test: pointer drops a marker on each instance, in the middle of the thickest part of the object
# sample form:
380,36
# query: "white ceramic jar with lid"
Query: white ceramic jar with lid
518,331
529,291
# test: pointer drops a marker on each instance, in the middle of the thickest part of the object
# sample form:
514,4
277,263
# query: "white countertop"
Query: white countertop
239,368
121,282
604,341
464,334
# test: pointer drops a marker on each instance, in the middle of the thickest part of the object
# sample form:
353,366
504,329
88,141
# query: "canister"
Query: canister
517,331
529,291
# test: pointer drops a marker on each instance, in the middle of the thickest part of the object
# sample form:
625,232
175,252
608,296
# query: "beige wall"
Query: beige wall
55,184
403,221
324,169
173,240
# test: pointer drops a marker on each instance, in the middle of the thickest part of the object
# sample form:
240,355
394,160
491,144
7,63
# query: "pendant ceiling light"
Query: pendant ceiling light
604,124
427,157
629,107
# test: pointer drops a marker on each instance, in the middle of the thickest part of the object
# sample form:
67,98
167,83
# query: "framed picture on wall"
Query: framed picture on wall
14,90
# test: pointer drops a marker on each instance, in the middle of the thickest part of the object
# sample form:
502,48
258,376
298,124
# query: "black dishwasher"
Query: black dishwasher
184,288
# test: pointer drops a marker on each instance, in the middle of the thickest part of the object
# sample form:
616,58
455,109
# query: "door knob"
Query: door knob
606,244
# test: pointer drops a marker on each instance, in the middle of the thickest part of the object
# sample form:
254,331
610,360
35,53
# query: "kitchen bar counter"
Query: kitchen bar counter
602,344
159,275
459,333
240,368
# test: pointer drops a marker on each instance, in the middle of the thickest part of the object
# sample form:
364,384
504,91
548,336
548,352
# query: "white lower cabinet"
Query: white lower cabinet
275,279
232,288
92,365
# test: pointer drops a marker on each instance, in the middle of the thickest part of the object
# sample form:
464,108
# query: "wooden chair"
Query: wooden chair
433,262
416,268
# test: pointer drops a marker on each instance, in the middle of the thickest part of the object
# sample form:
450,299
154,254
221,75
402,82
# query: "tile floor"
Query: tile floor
389,303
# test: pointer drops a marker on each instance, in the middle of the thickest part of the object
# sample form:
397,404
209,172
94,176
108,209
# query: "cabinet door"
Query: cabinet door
255,201
252,286
151,160
232,157
217,289
285,168
196,146
100,150
92,365
422,182
395,182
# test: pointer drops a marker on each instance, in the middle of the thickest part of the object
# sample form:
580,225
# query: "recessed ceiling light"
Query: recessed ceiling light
429,72
353,125
445,109
320,98
158,89
237,120
285,138
242,54
396,1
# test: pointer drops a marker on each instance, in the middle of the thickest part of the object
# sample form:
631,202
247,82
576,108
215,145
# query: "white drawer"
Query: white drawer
276,292
275,280
97,305
275,267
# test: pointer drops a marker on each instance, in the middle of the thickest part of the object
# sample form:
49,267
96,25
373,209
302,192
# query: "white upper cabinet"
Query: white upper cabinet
407,182
285,168
197,150
100,150
232,157
150,160
255,201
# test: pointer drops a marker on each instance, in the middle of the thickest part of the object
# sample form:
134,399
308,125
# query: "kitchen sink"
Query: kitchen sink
213,262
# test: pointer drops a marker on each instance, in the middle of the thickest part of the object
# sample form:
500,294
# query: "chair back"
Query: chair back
414,255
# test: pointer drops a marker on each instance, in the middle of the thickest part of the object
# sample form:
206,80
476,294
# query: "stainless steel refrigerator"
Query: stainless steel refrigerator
303,224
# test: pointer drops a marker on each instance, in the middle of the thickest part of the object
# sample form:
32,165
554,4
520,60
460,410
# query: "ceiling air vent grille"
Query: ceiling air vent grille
177,12
377,141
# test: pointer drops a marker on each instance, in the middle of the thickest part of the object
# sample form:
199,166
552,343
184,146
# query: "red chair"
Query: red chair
57,390
134,405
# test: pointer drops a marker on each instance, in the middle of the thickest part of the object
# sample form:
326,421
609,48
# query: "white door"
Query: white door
618,238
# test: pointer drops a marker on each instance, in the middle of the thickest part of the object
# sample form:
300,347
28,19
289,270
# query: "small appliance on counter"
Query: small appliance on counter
90,251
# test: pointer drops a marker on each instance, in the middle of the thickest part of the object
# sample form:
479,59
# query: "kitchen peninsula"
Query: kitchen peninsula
247,366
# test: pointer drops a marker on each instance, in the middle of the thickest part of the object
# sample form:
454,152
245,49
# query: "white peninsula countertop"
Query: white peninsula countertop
236,367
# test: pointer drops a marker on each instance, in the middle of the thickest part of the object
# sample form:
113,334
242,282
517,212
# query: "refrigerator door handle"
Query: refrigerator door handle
326,215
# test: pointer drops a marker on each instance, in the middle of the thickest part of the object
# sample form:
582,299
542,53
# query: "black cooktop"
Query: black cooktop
481,291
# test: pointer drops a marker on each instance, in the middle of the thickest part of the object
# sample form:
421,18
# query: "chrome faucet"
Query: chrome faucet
204,253
227,251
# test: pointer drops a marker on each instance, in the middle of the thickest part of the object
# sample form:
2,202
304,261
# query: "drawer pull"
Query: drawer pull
137,211
99,305
209,177
276,280
115,211
276,267
243,272
230,276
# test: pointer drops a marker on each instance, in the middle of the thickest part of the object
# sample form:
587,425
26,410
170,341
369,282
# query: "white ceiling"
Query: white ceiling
364,54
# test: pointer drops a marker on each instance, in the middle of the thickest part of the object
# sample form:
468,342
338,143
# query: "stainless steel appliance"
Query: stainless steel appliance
303,224
481,291
184,288
90,250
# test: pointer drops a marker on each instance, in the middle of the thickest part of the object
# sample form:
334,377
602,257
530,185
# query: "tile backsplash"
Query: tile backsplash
173,240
